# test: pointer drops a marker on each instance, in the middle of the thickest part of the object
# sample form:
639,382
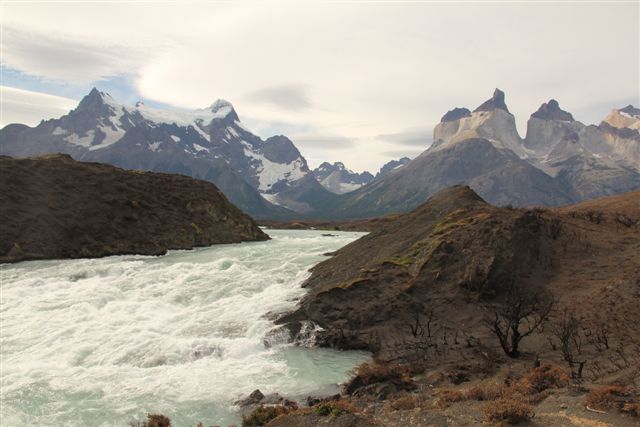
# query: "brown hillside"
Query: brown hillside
55,207
454,257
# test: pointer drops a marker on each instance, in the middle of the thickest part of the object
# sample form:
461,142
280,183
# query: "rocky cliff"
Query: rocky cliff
55,207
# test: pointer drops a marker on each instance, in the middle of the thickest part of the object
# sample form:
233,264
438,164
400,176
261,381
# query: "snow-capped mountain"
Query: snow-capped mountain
391,166
559,161
209,143
340,180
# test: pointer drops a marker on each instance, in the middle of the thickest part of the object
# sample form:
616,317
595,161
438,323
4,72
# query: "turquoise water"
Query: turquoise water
105,341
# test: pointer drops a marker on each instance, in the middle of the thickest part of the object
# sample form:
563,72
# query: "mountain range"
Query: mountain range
559,161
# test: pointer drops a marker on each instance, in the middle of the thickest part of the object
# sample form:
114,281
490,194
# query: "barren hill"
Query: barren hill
445,264
55,207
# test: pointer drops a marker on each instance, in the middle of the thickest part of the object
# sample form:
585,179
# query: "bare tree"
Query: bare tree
568,331
518,316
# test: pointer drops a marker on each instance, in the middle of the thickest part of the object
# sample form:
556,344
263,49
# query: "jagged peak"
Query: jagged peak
97,100
630,110
219,104
455,114
496,102
278,138
221,108
551,111
95,94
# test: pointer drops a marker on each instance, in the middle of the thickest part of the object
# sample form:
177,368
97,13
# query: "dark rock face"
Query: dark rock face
280,149
551,111
626,133
455,114
631,110
55,207
392,165
495,103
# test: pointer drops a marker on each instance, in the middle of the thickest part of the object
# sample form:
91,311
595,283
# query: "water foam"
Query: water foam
102,341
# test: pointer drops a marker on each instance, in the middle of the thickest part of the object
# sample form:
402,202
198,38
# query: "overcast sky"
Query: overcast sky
359,82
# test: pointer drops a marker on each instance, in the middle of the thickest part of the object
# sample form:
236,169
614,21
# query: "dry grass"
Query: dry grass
403,403
263,414
507,410
614,397
334,408
539,379
527,388
371,373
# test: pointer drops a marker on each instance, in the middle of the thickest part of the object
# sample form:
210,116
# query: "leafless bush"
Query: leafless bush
567,330
520,314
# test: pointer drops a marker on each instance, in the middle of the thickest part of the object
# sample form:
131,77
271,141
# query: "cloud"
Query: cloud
326,142
416,137
287,97
351,69
22,106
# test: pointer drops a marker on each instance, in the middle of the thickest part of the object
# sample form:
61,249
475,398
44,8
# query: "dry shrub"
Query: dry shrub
334,408
530,385
404,403
487,391
507,410
263,414
371,373
449,395
153,420
539,379
616,397
379,372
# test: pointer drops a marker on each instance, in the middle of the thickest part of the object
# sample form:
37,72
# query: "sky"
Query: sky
357,82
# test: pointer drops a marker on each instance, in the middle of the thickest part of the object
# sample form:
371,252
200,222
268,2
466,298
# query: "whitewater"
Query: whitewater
102,342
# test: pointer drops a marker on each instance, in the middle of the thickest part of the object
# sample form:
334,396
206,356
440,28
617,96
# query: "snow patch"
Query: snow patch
111,126
83,141
269,173
154,146
182,118
346,187
175,138
271,198
200,148
231,131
